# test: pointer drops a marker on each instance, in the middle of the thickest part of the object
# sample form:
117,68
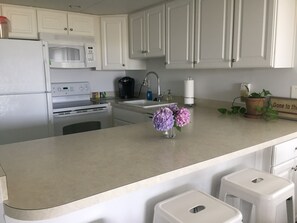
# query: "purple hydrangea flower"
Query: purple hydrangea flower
174,108
182,117
163,119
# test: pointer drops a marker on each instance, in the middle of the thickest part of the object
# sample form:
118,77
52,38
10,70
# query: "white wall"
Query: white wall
220,84
99,80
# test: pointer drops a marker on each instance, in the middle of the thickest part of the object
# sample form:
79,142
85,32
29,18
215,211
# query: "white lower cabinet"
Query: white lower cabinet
284,164
126,117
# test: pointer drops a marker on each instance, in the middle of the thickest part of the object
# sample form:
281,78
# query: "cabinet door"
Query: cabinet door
253,33
137,47
52,21
155,31
22,21
79,24
213,42
113,33
180,34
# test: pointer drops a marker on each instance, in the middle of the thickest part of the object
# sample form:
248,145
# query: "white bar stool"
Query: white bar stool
263,190
195,207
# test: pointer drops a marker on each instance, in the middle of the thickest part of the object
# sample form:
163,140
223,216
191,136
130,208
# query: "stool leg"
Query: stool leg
290,210
265,213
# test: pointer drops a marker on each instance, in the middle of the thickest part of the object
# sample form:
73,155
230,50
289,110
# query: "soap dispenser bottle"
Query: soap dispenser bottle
169,96
149,93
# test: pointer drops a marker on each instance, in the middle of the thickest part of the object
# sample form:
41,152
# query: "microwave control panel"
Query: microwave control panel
90,55
70,88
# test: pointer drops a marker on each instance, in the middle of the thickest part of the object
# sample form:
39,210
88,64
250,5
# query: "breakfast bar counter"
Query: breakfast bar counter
51,177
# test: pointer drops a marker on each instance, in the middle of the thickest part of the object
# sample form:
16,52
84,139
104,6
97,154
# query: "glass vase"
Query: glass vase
170,134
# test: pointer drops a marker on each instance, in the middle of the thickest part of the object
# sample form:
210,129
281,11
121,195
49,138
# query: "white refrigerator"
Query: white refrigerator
25,97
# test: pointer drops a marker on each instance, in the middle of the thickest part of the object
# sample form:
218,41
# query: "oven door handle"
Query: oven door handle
81,112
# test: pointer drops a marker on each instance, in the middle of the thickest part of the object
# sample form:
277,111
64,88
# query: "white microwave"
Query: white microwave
72,55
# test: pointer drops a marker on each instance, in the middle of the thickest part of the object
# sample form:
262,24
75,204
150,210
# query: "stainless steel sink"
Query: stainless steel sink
142,103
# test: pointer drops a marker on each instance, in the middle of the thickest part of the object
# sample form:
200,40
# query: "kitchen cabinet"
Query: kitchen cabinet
123,116
60,22
180,34
284,164
114,45
213,33
147,33
264,33
231,33
23,22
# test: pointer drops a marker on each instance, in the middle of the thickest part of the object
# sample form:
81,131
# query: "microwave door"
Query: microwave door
66,57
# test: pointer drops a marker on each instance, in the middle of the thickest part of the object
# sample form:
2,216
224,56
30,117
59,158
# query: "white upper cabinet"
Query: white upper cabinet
231,33
114,44
264,33
213,39
147,33
22,20
180,34
59,22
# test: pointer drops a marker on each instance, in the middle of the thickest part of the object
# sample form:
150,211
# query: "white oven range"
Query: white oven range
72,107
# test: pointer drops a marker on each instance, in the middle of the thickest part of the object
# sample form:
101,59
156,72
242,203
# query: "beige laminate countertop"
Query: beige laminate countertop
54,176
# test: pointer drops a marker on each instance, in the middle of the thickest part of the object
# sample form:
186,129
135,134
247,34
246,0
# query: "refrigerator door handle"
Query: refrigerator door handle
50,114
46,66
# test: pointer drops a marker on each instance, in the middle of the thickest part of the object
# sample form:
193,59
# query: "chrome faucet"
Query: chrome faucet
145,83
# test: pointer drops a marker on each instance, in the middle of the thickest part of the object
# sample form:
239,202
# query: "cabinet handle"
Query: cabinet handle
166,63
144,51
65,28
71,29
123,65
233,60
195,62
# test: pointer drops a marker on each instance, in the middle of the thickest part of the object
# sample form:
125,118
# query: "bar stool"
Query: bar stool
263,190
194,207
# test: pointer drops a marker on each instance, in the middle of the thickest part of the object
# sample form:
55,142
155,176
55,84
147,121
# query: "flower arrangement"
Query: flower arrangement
171,116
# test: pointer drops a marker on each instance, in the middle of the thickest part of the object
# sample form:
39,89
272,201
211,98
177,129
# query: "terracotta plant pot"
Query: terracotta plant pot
253,107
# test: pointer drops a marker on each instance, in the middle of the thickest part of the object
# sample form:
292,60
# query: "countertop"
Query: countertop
54,176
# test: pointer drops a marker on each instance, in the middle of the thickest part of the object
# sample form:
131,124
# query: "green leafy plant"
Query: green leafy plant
264,93
266,112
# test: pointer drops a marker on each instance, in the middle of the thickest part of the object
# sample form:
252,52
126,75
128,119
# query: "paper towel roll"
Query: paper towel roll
189,91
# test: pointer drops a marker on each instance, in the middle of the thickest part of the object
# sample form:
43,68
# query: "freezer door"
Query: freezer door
24,117
22,67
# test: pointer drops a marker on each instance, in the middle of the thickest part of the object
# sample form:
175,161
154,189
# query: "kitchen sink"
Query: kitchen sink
142,103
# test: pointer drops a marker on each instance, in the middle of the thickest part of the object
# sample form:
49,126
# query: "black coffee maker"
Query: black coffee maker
126,88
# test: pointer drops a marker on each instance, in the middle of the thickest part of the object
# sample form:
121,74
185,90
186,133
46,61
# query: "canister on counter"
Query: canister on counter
3,27
95,96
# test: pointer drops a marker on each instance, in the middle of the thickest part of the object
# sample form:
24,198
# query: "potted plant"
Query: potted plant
257,106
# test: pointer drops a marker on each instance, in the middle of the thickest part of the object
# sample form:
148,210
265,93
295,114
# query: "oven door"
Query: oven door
67,118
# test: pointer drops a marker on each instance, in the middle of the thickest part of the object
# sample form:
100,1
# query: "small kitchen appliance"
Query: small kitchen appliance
126,88
70,51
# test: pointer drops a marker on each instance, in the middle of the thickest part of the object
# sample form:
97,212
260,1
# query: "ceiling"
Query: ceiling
96,7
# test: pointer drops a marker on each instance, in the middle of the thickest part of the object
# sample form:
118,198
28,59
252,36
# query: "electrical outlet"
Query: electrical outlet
245,89
294,91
